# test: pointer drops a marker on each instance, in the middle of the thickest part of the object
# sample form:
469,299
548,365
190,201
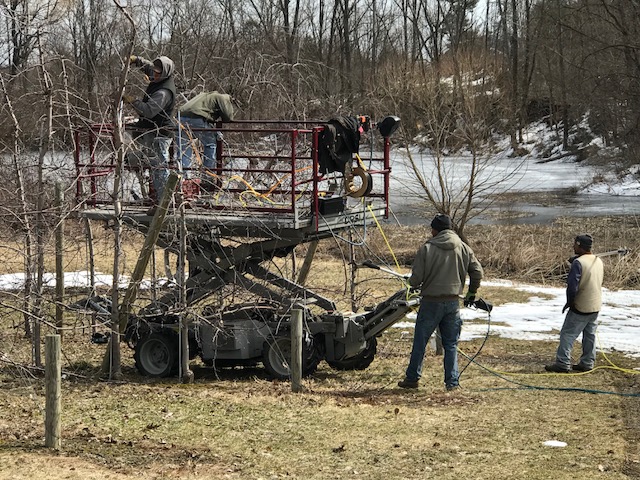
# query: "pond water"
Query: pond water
532,192
536,192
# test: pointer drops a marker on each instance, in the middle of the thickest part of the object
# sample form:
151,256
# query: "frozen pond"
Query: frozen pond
549,189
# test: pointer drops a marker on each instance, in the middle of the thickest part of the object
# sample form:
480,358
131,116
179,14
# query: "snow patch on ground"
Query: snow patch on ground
541,318
538,319
15,281
625,185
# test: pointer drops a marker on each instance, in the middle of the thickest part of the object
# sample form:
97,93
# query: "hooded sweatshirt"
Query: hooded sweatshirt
441,267
156,107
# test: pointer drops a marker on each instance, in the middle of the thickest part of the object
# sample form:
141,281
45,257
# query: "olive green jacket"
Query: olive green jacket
442,265
209,105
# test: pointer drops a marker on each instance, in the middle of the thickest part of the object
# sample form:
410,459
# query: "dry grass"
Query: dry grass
528,253
75,253
538,253
237,424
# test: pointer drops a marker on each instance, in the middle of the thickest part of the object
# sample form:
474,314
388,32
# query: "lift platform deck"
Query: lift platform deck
268,179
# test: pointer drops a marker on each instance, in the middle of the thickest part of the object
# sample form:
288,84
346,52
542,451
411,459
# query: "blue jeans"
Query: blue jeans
432,315
156,149
574,325
188,151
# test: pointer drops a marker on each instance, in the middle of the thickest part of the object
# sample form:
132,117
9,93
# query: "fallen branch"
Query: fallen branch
562,155
30,369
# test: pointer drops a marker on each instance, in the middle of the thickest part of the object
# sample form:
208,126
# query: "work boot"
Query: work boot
452,387
581,368
556,368
406,383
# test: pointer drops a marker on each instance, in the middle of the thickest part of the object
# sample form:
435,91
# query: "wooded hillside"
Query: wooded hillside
455,70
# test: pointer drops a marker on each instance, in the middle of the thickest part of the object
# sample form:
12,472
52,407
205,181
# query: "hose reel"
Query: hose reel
358,182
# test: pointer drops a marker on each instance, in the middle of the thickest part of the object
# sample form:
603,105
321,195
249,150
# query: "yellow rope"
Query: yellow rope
360,162
284,176
384,236
409,295
613,366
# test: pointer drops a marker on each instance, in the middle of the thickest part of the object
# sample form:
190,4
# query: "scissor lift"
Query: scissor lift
264,196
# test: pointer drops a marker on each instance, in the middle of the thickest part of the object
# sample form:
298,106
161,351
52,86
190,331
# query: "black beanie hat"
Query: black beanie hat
585,241
441,222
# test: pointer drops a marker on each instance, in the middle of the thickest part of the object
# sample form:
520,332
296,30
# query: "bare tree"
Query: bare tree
113,353
89,42
22,33
27,308
461,185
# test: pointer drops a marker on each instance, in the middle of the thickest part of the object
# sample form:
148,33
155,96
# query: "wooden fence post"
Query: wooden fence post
296,350
53,392
59,260
306,265
186,374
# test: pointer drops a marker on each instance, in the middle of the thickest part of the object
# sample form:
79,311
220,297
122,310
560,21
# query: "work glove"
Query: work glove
128,98
469,298
133,59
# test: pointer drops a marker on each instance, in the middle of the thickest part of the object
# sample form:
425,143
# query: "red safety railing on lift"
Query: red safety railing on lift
300,185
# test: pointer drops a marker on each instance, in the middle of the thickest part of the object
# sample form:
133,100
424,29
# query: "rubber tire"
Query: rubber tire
276,355
360,361
156,355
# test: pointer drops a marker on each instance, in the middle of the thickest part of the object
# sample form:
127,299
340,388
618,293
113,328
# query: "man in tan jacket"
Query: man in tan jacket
584,300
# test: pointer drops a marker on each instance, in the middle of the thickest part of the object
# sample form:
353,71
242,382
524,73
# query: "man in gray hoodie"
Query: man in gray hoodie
439,270
155,129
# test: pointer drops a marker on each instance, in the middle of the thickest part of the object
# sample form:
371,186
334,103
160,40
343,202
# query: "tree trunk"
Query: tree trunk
47,133
516,133
115,369
59,260
24,216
